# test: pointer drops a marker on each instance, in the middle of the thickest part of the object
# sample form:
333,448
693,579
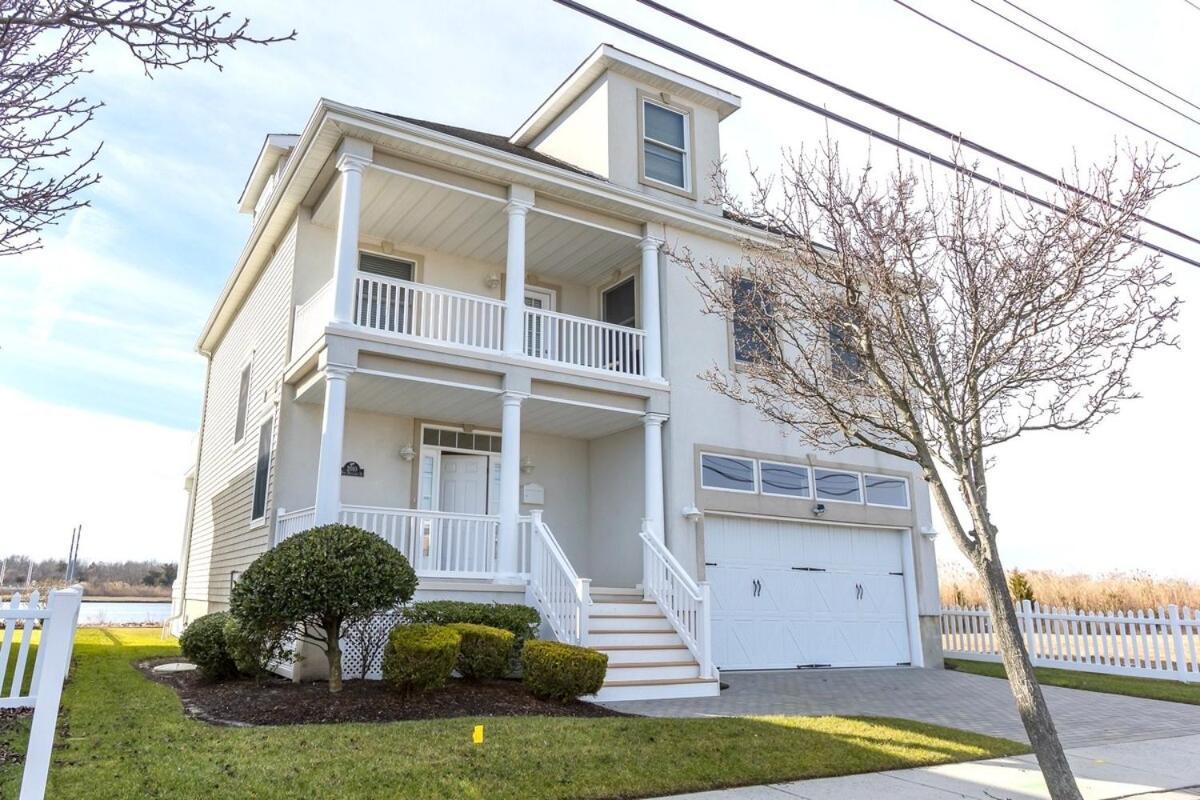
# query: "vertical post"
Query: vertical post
54,660
706,664
520,200
1181,670
916,649
510,482
354,157
333,430
652,425
583,590
650,308
1030,638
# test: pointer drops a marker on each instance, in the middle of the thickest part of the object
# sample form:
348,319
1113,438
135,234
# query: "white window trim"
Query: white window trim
686,151
907,496
862,494
811,483
436,451
248,370
753,473
378,253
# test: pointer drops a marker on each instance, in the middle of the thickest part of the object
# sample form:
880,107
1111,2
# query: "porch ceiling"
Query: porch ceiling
458,404
428,216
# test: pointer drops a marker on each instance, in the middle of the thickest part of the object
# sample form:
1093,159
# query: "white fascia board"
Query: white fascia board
605,58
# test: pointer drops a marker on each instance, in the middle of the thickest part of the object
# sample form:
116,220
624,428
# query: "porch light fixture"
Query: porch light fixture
492,280
929,532
526,465
692,514
407,453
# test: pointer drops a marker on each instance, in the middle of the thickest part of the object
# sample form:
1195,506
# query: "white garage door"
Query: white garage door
798,594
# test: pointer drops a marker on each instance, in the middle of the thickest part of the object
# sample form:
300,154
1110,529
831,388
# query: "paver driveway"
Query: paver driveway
955,699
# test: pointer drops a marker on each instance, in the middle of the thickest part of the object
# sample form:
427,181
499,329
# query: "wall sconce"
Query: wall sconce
407,453
526,465
691,513
928,532
492,280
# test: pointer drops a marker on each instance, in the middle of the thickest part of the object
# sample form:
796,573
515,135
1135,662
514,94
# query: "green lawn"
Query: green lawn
127,737
1150,688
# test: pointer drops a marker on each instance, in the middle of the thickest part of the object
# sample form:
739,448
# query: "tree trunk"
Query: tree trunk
333,653
1031,704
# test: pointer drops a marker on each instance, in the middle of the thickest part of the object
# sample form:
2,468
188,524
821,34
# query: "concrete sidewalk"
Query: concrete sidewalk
1163,769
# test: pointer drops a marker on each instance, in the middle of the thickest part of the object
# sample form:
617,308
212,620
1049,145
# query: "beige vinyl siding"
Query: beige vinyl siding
223,538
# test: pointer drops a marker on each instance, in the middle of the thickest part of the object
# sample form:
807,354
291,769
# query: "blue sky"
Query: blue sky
97,330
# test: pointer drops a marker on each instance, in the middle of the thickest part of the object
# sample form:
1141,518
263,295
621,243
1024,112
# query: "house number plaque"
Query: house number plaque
351,469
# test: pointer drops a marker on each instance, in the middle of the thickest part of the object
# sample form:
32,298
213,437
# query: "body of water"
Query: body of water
106,612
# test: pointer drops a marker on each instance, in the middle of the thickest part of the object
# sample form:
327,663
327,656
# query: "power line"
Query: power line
1193,5
841,120
1109,59
904,115
1048,80
1083,60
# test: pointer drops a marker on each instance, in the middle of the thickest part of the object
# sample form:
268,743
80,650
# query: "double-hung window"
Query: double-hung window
243,403
751,323
665,146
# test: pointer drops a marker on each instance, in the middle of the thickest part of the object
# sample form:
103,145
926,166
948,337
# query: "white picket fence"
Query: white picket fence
1160,643
57,619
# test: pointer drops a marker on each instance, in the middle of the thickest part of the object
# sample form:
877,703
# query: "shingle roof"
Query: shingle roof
493,140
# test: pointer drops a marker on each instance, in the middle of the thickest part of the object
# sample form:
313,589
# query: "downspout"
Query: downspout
186,553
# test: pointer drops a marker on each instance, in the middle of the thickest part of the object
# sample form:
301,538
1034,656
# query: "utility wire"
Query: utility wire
1048,80
1193,5
904,115
845,121
1109,59
1083,60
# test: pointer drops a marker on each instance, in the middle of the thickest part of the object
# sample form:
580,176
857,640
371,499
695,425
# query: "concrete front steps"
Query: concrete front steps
646,658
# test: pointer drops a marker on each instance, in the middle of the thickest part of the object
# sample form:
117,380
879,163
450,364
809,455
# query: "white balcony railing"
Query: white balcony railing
583,342
427,312
311,317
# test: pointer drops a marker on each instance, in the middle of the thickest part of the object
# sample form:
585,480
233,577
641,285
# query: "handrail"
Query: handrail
594,323
684,602
560,594
423,311
420,512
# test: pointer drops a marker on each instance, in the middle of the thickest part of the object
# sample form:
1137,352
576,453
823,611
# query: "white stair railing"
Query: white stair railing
561,595
685,603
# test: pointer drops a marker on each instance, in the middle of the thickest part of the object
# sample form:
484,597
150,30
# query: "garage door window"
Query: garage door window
786,480
837,486
727,473
886,490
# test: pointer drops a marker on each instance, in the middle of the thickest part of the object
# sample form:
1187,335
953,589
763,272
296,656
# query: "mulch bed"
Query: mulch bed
277,701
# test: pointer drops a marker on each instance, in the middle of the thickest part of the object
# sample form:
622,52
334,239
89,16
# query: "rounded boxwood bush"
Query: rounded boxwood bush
316,583
522,621
557,671
203,643
419,657
252,650
485,652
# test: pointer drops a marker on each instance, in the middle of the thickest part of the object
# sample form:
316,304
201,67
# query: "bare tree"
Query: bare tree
44,46
937,322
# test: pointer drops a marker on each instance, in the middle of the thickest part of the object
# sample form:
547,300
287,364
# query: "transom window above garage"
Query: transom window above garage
729,473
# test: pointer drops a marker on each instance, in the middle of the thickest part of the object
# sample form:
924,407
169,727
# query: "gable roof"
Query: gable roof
493,140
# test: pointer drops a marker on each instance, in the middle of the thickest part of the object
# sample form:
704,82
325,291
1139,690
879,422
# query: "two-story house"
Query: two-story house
476,347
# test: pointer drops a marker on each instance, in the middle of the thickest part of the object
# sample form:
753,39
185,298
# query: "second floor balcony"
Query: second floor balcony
403,250
428,313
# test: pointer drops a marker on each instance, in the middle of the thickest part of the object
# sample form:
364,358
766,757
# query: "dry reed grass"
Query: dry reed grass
1115,591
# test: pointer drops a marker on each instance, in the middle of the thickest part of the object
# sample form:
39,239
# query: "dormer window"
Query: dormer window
665,146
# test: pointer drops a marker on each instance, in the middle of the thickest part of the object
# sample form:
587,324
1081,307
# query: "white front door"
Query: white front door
790,594
464,484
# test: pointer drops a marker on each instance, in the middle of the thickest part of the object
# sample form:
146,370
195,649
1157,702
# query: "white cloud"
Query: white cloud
121,478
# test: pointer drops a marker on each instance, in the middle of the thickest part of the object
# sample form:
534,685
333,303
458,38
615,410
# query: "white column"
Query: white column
651,322
510,482
333,431
519,202
652,426
345,264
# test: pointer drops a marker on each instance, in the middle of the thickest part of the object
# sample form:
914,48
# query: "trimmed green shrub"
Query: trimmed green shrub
420,657
522,621
312,585
557,671
485,652
253,650
203,643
